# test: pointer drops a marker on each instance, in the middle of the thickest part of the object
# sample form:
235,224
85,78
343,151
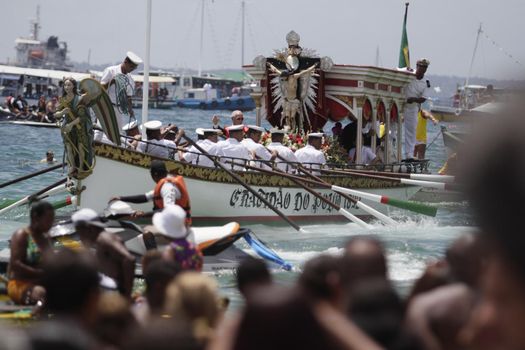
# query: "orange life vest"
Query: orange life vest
183,201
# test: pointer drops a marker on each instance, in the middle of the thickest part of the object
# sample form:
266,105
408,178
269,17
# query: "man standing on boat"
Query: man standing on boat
414,98
120,86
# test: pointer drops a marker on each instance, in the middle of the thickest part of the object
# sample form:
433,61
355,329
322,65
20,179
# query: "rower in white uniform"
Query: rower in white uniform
156,145
132,135
285,155
311,155
208,142
233,150
258,151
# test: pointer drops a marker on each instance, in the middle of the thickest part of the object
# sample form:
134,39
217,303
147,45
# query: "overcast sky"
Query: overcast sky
349,31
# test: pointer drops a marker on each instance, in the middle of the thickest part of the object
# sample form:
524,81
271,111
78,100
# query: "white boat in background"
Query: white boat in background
33,124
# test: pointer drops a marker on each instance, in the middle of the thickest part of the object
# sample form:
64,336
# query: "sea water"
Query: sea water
410,245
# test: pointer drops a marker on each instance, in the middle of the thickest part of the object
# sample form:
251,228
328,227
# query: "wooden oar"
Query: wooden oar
378,215
408,205
28,176
342,211
244,184
429,184
50,190
422,177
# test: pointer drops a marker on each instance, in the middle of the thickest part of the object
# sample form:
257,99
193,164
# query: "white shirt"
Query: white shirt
109,74
158,148
416,88
100,136
234,149
286,153
366,128
367,156
312,157
260,152
169,193
194,156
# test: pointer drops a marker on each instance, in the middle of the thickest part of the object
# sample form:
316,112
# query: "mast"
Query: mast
377,56
463,96
35,24
145,82
202,39
480,30
243,4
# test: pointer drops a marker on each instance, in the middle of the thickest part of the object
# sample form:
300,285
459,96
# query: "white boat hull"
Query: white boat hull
218,199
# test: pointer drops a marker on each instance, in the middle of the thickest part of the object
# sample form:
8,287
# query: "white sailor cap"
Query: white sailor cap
130,125
255,127
276,131
315,134
210,131
199,131
134,58
153,125
235,127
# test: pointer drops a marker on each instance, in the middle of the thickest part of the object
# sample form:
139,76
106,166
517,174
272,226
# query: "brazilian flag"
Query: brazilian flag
404,55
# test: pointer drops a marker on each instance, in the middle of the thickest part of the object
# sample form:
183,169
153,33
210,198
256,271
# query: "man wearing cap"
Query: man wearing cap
168,190
117,78
156,145
208,142
310,155
258,151
285,154
133,136
414,98
114,259
232,149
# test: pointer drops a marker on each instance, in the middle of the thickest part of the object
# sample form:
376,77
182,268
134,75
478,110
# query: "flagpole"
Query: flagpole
404,56
145,83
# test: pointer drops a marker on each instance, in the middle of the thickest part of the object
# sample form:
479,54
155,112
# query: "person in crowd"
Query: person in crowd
258,151
321,280
29,245
421,133
155,144
193,297
208,142
337,130
168,190
349,133
113,258
71,281
181,249
311,155
369,131
163,334
252,274
51,108
414,98
286,157
157,275
114,320
120,86
235,154
41,109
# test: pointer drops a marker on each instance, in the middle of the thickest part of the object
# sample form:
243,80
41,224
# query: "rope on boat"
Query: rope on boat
122,83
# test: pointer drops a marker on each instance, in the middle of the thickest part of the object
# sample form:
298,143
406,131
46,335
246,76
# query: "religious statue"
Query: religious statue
76,129
293,88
